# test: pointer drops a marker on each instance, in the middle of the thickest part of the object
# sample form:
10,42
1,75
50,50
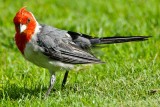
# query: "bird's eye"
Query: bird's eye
28,20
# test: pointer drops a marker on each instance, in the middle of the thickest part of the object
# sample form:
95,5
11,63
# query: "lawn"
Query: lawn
130,76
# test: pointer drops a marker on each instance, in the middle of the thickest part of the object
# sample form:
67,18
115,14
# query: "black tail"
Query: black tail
117,39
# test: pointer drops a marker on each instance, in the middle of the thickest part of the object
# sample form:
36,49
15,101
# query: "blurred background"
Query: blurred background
130,68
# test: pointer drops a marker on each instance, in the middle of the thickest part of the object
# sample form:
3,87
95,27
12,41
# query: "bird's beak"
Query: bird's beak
22,28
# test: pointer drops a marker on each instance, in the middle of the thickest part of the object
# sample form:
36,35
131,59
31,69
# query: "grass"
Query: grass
131,71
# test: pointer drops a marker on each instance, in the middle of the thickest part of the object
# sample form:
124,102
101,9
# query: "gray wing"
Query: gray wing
58,45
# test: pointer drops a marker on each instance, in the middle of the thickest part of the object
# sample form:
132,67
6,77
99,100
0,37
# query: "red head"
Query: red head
25,25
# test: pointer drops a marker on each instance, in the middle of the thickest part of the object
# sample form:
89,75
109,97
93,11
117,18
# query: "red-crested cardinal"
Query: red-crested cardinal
56,49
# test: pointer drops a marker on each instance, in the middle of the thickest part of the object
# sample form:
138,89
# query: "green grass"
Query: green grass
131,69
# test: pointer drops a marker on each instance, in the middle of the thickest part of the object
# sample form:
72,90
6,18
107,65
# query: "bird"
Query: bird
55,49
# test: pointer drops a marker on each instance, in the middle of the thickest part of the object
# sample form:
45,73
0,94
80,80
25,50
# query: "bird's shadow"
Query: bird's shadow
16,92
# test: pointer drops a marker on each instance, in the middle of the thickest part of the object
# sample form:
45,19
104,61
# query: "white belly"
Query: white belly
33,53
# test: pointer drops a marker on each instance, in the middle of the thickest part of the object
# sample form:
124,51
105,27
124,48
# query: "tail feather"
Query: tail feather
117,39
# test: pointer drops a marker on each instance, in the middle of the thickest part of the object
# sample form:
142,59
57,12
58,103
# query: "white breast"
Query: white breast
33,53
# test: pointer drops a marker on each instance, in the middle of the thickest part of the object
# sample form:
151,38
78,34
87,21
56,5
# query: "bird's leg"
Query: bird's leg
65,79
52,81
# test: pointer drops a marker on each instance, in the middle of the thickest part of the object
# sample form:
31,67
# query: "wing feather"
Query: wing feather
62,48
